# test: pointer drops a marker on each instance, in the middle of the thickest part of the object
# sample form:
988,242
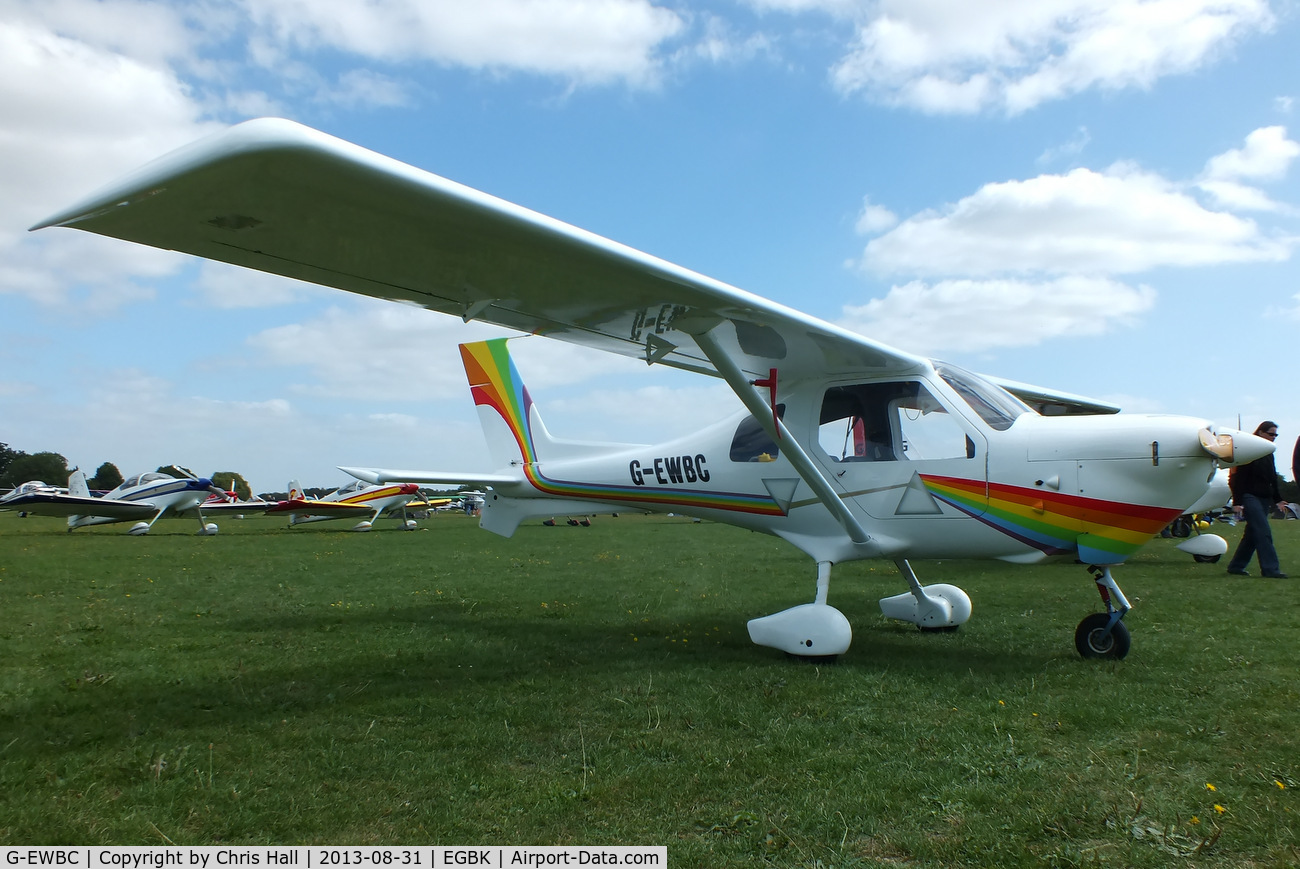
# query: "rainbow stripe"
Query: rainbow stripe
1055,523
494,382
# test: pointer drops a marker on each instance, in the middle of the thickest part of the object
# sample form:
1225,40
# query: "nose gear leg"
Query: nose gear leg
1104,635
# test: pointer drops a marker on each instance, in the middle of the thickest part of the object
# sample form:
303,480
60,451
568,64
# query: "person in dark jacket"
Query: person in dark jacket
1254,492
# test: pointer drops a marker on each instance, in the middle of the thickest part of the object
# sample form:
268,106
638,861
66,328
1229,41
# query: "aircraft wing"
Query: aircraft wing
276,196
310,507
433,478
1053,402
217,508
75,505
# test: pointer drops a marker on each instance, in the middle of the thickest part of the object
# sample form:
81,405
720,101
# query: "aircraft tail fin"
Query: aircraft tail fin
77,484
295,490
512,423
505,408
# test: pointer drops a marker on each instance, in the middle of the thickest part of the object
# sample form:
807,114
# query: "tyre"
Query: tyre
1091,640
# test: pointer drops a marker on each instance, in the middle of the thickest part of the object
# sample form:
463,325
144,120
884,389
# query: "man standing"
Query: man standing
1254,492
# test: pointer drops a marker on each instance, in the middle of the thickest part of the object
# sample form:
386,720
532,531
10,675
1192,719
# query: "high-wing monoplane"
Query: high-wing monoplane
145,498
846,447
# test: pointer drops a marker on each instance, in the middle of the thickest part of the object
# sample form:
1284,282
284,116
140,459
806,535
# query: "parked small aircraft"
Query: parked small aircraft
145,498
357,499
847,448
31,487
1200,544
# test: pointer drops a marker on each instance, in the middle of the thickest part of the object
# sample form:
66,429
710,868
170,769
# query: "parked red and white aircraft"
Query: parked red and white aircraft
357,499
847,448
145,498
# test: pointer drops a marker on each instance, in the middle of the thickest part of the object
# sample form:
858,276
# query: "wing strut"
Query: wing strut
808,471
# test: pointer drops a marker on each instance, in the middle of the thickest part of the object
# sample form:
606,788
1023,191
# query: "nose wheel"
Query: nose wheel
1096,637
1104,635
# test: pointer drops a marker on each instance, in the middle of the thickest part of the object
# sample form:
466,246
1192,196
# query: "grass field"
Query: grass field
597,686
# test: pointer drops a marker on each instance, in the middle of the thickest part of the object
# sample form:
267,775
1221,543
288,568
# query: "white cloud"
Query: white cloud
967,316
719,44
1068,150
874,218
585,41
952,56
1121,221
376,350
227,286
368,350
635,413
77,115
1266,156
1242,197
151,33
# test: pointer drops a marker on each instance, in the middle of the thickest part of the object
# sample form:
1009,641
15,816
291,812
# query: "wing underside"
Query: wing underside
278,197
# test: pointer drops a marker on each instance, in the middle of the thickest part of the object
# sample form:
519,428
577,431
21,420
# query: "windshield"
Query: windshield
995,405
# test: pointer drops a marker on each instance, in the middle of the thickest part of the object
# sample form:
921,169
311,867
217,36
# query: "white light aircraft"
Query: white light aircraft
145,498
367,501
31,487
847,448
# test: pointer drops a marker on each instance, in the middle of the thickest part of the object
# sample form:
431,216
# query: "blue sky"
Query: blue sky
1095,195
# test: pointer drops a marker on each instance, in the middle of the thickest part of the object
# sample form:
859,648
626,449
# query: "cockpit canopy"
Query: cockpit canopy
141,479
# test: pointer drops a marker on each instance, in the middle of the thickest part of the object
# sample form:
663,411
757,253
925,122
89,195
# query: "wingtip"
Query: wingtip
146,180
366,475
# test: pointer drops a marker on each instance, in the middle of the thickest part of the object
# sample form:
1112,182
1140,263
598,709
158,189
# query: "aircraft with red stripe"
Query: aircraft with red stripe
846,447
356,500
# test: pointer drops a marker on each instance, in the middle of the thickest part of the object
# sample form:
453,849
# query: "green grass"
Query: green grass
597,686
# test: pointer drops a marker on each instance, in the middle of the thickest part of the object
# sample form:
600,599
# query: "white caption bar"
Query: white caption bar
332,857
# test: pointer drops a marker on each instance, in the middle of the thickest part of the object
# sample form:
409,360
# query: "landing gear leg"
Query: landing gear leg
1104,635
813,630
940,607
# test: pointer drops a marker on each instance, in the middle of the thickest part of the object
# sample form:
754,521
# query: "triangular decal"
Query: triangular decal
917,500
782,491
657,348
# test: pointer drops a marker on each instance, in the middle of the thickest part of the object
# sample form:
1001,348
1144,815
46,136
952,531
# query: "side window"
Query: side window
887,422
751,444
929,431
855,424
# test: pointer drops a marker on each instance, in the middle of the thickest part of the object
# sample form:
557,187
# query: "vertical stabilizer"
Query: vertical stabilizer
295,491
511,424
77,484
